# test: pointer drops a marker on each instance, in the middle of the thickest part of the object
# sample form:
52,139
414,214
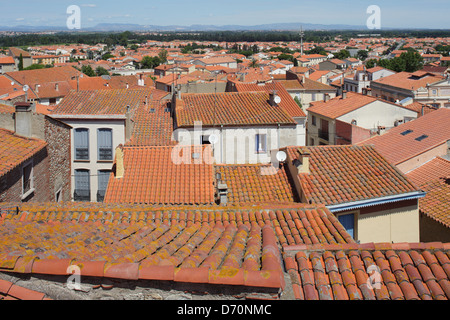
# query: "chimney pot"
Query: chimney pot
23,118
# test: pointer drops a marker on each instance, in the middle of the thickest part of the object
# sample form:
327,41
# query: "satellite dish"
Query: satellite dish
12,83
213,139
281,156
25,88
277,99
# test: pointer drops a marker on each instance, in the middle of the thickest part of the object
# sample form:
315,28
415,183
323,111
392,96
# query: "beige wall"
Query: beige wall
395,224
419,160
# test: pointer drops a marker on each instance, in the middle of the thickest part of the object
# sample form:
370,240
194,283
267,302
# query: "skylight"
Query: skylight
404,133
421,137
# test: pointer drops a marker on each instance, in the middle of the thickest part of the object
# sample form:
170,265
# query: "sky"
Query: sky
394,13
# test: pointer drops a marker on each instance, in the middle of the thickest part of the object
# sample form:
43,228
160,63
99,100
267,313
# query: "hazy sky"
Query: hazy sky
394,13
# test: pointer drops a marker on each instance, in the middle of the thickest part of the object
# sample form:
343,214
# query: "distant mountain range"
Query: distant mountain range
111,27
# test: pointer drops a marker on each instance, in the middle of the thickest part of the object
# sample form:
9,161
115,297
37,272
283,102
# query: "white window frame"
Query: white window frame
26,194
261,147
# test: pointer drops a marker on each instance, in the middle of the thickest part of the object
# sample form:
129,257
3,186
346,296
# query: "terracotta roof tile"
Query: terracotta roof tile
436,204
399,144
106,102
183,244
151,176
229,108
153,125
287,103
341,174
15,149
338,106
331,273
409,81
247,184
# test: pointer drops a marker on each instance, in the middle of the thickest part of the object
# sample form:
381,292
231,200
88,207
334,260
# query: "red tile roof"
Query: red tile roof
153,125
409,81
373,271
41,76
248,184
342,174
336,107
11,291
397,147
106,102
431,170
152,176
229,108
15,149
233,246
287,102
436,203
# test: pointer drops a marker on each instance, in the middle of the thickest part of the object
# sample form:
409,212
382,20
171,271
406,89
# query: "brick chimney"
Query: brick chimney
23,119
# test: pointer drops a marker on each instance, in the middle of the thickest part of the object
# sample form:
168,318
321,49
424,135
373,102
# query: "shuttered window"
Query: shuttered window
81,142
103,178
104,142
82,185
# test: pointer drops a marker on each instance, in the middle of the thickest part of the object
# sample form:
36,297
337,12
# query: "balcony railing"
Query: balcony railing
82,195
82,153
105,154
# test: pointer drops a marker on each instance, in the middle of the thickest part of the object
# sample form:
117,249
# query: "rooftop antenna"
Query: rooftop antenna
302,34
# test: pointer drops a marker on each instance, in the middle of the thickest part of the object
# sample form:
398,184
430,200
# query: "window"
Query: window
103,178
82,185
81,143
104,142
404,133
27,179
348,222
261,143
205,139
424,136
313,120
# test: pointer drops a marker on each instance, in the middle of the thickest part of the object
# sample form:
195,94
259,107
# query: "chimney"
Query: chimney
273,98
128,124
344,94
326,97
56,86
23,118
120,170
303,162
222,191
37,87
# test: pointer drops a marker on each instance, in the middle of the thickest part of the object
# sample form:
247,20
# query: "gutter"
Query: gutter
376,201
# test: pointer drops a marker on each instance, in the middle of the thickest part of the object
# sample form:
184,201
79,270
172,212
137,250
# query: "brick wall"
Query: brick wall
58,138
11,183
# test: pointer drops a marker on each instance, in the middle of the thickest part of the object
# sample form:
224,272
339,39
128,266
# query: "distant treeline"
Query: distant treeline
127,38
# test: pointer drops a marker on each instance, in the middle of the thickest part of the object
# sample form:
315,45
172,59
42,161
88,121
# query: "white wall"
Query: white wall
377,113
93,164
238,145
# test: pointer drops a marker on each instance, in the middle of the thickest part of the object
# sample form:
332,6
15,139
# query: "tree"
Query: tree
100,71
298,102
413,61
343,54
254,64
362,55
162,55
87,70
150,62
